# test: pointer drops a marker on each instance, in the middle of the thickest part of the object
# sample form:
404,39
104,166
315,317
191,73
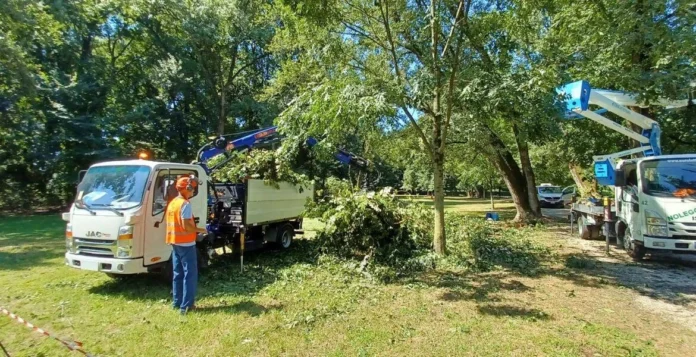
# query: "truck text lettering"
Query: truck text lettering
684,214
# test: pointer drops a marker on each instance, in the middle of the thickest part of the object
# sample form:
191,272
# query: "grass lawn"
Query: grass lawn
472,206
295,303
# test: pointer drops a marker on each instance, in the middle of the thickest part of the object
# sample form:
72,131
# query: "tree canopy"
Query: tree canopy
443,96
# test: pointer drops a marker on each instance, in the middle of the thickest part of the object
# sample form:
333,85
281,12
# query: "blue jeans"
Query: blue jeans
185,276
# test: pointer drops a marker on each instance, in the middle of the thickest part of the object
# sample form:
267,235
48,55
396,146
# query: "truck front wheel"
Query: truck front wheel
635,251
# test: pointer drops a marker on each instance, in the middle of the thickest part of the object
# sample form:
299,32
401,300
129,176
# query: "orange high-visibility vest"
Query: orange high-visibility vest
176,230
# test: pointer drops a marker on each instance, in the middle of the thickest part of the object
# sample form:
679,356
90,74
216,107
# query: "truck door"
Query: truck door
629,200
155,248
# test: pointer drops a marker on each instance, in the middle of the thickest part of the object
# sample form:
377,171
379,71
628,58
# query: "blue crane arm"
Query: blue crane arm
578,98
260,138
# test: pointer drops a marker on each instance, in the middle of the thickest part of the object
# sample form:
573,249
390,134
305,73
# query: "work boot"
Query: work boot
187,310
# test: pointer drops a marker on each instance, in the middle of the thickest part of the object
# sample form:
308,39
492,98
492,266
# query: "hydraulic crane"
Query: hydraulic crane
264,138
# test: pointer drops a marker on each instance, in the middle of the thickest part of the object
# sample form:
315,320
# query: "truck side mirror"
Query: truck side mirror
619,178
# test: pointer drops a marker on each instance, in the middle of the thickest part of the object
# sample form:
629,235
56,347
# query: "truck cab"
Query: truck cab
111,226
655,204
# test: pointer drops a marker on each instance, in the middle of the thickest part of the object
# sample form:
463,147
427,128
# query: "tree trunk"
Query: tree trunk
439,235
223,114
512,175
528,172
518,189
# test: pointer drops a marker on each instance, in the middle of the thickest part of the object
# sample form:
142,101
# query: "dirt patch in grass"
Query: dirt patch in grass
660,290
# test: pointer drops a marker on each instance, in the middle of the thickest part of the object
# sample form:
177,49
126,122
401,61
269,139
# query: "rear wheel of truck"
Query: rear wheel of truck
635,251
286,234
583,229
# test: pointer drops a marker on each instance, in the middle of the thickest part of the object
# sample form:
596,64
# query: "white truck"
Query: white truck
654,203
113,225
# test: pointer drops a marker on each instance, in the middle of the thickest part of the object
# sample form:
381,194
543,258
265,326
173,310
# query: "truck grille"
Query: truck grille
95,247
683,230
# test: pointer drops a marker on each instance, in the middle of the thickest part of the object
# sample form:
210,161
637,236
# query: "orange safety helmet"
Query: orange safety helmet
186,183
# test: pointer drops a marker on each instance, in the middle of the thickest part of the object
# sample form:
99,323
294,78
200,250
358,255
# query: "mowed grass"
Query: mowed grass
298,303
472,206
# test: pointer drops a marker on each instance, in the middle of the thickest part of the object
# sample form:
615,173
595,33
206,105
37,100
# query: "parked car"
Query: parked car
552,196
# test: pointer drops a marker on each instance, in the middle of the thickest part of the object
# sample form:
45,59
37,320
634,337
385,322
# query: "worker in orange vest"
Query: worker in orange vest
181,235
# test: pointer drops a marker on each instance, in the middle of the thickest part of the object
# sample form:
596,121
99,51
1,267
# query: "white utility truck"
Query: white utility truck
654,203
114,224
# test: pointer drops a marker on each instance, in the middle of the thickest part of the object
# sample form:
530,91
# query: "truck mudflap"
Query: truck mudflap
105,265
669,244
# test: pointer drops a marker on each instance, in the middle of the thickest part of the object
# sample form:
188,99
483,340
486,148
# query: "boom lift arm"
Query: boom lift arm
580,95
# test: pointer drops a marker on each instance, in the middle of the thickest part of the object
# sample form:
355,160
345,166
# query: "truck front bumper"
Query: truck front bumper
106,265
670,244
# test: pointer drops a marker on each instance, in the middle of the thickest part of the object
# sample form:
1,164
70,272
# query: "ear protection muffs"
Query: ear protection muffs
189,187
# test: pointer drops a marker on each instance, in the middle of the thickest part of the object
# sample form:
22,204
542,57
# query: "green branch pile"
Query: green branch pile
389,235
271,166
477,245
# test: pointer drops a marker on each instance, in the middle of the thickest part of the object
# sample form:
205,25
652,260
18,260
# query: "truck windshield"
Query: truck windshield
670,177
113,187
549,189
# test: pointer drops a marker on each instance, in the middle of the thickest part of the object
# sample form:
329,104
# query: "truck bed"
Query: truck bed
266,203
590,209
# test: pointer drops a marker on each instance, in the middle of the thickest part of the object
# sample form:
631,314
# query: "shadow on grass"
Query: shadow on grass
222,278
246,307
513,311
478,288
26,242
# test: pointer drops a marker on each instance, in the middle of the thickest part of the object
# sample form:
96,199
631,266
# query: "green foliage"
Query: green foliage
482,246
383,230
83,82
580,262
268,165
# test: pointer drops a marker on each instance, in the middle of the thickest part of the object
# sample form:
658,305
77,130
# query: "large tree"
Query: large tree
389,62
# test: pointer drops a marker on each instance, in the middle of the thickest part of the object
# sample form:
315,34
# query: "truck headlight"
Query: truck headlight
657,231
123,251
657,226
124,243
69,242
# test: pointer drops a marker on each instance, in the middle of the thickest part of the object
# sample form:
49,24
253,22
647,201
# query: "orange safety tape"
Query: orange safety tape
72,345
